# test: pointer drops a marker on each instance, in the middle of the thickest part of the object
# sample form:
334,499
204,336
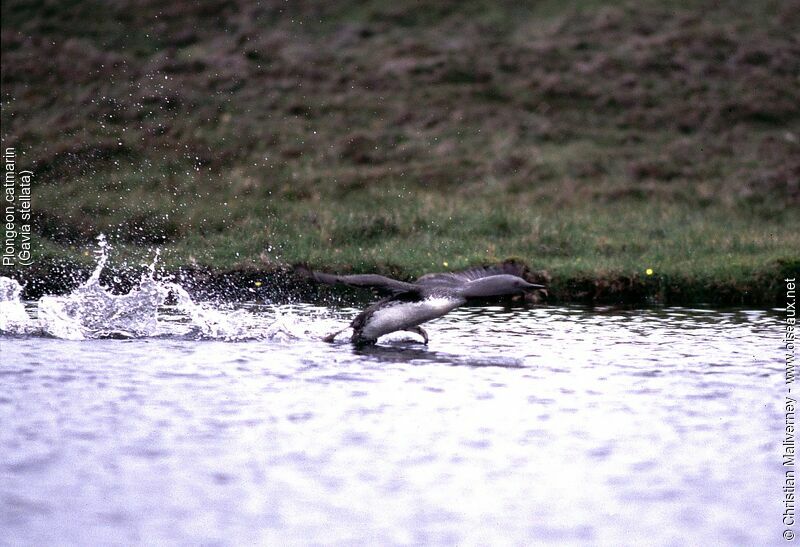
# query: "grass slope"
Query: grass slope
592,140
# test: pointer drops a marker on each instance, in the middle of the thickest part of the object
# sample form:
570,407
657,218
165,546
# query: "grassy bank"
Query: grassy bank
591,140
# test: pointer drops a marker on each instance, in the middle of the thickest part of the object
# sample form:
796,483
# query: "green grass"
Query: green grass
591,140
407,233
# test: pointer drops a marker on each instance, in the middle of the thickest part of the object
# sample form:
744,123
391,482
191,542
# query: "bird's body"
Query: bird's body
431,296
392,315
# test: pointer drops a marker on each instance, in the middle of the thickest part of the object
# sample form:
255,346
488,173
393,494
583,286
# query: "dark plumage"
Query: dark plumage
407,305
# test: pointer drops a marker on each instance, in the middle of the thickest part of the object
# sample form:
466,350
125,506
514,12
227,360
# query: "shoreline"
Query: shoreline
760,289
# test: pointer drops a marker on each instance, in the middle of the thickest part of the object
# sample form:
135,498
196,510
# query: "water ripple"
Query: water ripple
550,425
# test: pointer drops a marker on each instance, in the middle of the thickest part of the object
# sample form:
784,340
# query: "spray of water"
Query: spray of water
92,311
13,318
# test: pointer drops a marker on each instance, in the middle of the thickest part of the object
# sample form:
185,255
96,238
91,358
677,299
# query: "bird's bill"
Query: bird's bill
533,287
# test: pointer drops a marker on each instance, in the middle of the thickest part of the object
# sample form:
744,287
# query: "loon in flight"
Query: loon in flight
408,305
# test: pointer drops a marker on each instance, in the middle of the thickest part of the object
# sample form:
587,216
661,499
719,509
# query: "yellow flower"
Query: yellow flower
649,271
445,264
258,283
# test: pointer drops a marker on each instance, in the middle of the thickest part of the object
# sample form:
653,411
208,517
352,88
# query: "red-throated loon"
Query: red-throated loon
431,296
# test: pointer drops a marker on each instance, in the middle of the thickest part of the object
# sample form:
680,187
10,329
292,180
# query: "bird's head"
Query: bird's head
498,285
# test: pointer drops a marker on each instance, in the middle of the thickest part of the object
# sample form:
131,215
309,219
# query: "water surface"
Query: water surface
524,426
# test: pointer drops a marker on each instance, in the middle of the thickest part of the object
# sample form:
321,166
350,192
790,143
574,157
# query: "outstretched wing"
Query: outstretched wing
457,279
382,284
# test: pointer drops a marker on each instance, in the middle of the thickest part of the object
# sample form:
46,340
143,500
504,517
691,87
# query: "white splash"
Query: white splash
13,317
92,311
214,322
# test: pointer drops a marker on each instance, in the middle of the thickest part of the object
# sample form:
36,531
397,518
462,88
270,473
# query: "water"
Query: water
130,420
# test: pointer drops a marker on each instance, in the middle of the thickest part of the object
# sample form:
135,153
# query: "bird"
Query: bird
408,305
